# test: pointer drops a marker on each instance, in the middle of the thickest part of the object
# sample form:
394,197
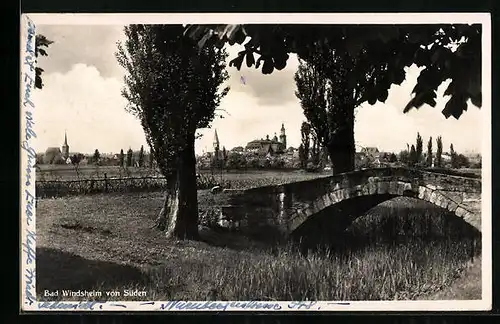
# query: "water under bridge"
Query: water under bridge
279,210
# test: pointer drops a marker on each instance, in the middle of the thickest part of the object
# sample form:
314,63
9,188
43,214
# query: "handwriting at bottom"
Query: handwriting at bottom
218,306
68,305
301,305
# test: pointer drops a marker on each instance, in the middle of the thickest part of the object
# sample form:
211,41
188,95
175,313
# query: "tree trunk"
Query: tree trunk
179,215
341,148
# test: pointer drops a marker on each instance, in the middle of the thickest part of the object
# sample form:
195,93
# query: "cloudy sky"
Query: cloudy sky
82,96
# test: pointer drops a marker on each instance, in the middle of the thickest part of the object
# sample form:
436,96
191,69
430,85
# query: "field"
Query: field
58,181
46,172
106,242
65,172
51,172
63,180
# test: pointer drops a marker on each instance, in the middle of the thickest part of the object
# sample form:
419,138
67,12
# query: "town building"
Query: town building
53,155
268,146
56,155
65,148
218,153
371,151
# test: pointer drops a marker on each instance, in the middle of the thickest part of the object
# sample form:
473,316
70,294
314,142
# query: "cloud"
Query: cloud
248,120
273,89
386,126
89,107
82,94
92,45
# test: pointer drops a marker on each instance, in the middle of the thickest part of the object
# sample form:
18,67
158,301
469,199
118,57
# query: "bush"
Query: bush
148,181
98,184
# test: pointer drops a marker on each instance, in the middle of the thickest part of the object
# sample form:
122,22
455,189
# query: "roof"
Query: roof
370,149
53,150
259,141
264,142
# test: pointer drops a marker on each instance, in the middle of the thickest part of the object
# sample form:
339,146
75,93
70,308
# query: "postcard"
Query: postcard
255,162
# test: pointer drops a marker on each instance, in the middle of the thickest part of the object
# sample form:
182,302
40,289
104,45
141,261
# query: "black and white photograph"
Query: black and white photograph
314,163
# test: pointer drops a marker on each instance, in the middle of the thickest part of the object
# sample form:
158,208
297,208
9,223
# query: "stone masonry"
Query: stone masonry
276,211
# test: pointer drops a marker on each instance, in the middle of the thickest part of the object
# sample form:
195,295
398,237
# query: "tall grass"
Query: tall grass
376,273
401,249
412,266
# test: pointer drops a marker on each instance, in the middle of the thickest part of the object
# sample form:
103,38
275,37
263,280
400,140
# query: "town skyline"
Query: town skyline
82,95
359,148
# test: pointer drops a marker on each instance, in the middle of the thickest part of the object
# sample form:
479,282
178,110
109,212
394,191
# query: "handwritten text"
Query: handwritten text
219,306
29,247
30,285
90,305
29,60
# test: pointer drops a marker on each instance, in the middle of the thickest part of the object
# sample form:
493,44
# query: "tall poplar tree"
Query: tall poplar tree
173,86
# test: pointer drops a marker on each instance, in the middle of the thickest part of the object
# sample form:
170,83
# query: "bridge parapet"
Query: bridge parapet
276,210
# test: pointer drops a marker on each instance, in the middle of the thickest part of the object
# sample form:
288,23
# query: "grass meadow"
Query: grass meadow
106,242
62,180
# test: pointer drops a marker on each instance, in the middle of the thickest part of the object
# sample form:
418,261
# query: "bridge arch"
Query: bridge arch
278,210
380,190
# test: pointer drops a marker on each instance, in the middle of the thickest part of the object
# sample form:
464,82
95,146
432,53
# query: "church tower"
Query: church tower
65,147
216,142
283,136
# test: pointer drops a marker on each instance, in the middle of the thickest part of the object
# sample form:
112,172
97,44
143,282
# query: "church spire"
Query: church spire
65,147
216,141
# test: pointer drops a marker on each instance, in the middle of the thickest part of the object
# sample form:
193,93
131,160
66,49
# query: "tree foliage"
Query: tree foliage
41,46
224,157
453,155
412,158
302,156
122,158
404,157
315,150
150,160
141,157
439,152
235,161
429,152
96,157
130,154
390,48
461,161
330,85
172,86
76,159
419,147
304,148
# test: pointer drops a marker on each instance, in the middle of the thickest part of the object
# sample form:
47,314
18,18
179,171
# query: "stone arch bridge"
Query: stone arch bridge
277,211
